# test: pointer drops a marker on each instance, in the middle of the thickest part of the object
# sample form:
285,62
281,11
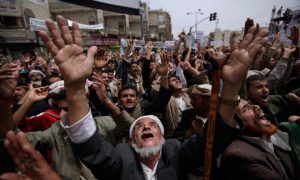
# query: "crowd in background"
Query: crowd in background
176,87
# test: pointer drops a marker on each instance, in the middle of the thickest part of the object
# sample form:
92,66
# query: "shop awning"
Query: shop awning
122,6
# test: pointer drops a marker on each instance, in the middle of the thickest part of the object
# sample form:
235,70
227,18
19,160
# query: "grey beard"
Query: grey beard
146,152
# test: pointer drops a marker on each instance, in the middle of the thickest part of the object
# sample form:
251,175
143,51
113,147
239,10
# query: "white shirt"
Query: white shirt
149,173
181,103
80,131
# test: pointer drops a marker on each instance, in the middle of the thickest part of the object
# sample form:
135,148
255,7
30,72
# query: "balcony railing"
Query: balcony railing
122,32
59,6
134,19
109,13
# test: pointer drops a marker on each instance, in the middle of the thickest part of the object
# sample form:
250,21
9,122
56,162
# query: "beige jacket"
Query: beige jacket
172,115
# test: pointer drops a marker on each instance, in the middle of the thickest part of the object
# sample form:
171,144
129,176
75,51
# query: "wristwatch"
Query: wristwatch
230,102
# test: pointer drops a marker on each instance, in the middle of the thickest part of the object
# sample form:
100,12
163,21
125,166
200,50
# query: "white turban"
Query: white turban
155,118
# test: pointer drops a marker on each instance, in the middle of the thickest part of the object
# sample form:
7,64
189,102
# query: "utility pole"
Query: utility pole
196,16
217,23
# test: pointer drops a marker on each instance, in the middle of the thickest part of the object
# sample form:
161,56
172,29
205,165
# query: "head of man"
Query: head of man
105,78
36,75
110,73
258,89
111,64
128,97
256,123
175,82
21,89
200,98
134,69
146,134
58,98
50,79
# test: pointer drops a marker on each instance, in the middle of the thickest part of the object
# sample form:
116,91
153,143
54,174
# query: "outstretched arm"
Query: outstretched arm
34,95
235,69
74,65
8,81
100,89
29,161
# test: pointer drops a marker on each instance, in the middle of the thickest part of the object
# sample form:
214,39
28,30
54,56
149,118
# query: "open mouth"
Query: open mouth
264,97
263,120
147,135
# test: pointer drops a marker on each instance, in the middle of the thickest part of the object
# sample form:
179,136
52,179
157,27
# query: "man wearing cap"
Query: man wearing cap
36,76
194,119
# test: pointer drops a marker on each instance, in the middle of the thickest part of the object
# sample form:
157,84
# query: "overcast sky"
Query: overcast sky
231,13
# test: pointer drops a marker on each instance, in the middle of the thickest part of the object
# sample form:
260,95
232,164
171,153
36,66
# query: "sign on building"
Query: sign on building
199,35
39,24
10,8
43,3
217,43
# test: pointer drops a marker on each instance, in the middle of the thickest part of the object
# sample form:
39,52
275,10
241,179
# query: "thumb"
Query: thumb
91,54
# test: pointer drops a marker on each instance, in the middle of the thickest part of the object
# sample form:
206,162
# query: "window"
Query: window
121,26
28,14
7,22
92,20
161,19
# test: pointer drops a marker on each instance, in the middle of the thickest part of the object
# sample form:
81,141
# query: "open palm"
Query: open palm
243,55
66,48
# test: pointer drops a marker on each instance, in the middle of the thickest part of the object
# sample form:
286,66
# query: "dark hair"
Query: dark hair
45,81
61,95
254,77
107,70
125,87
135,62
173,75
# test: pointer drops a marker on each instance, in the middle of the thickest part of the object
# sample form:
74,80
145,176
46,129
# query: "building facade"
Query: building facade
160,27
16,36
15,33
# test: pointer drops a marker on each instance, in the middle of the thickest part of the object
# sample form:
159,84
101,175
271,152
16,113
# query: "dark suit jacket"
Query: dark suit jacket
250,159
121,162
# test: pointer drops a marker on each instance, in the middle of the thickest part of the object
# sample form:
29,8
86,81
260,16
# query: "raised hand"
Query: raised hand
29,161
199,65
149,46
288,50
8,80
162,69
99,87
68,53
100,59
26,58
294,35
243,55
37,94
182,36
74,65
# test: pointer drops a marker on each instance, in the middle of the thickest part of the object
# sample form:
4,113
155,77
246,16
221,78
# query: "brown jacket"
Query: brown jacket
249,158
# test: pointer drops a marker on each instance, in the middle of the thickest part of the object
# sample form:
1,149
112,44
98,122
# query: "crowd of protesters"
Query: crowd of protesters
144,114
